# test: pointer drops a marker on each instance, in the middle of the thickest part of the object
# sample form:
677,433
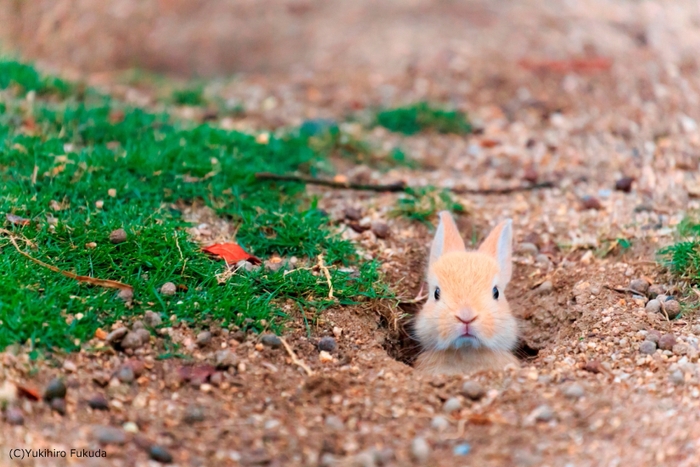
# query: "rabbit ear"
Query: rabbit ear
499,245
447,237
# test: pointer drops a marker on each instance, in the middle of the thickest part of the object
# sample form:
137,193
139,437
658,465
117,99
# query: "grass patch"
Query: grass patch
26,78
683,257
421,117
87,165
422,204
193,96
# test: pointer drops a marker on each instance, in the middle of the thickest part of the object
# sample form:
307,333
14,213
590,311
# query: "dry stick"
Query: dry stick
296,359
396,187
327,274
90,280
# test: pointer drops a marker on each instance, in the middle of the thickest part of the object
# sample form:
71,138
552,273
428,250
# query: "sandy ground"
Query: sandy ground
585,394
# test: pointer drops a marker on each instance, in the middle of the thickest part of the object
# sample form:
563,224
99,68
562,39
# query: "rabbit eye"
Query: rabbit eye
495,292
437,293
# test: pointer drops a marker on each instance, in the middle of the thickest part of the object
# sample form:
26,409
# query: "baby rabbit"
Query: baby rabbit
466,324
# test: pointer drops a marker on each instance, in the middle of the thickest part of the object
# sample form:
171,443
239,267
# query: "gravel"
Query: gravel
193,414
653,306
380,229
472,390
640,286
543,413
133,339
420,450
152,319
440,423
647,348
98,402
327,343
655,290
544,288
109,435
125,374
168,289
573,391
672,308
225,359
667,341
160,454
271,340
59,406
203,338
116,336
14,416
117,236
676,377
56,389
528,249
453,404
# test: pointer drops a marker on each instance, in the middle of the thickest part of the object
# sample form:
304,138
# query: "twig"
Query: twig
624,290
395,187
296,359
327,274
90,280
392,187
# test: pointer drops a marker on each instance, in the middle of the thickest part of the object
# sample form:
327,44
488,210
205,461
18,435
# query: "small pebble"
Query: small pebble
116,336
274,264
672,308
59,406
647,348
529,249
245,264
325,357
543,413
334,423
639,285
109,435
544,288
100,378
327,343
440,423
168,289
653,306
677,377
152,319
138,324
420,450
117,236
337,332
271,340
624,184
462,449
14,416
667,341
125,374
472,390
203,338
653,336
126,295
543,261
225,359
656,290
453,404
56,389
380,229
131,427
591,202
132,340
98,402
193,414
353,214
573,391
69,366
143,335
160,454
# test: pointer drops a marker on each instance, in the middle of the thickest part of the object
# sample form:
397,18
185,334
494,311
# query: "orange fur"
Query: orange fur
464,327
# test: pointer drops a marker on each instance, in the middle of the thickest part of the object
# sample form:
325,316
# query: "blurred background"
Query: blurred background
203,38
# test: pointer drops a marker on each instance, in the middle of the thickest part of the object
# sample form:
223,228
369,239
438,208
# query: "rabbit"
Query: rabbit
466,324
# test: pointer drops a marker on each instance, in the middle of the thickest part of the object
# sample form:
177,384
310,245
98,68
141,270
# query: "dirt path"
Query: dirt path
584,396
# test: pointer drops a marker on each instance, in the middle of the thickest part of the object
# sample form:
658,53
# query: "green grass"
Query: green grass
683,257
193,96
422,204
55,170
421,117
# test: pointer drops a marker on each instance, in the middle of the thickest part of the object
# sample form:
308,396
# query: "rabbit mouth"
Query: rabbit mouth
467,340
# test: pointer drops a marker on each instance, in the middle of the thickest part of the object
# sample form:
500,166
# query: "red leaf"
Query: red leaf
28,392
231,252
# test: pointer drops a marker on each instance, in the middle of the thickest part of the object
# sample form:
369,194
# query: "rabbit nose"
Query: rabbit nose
468,321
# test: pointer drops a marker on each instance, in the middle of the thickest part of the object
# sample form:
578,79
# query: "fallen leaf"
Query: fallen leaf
101,334
16,220
231,253
28,392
